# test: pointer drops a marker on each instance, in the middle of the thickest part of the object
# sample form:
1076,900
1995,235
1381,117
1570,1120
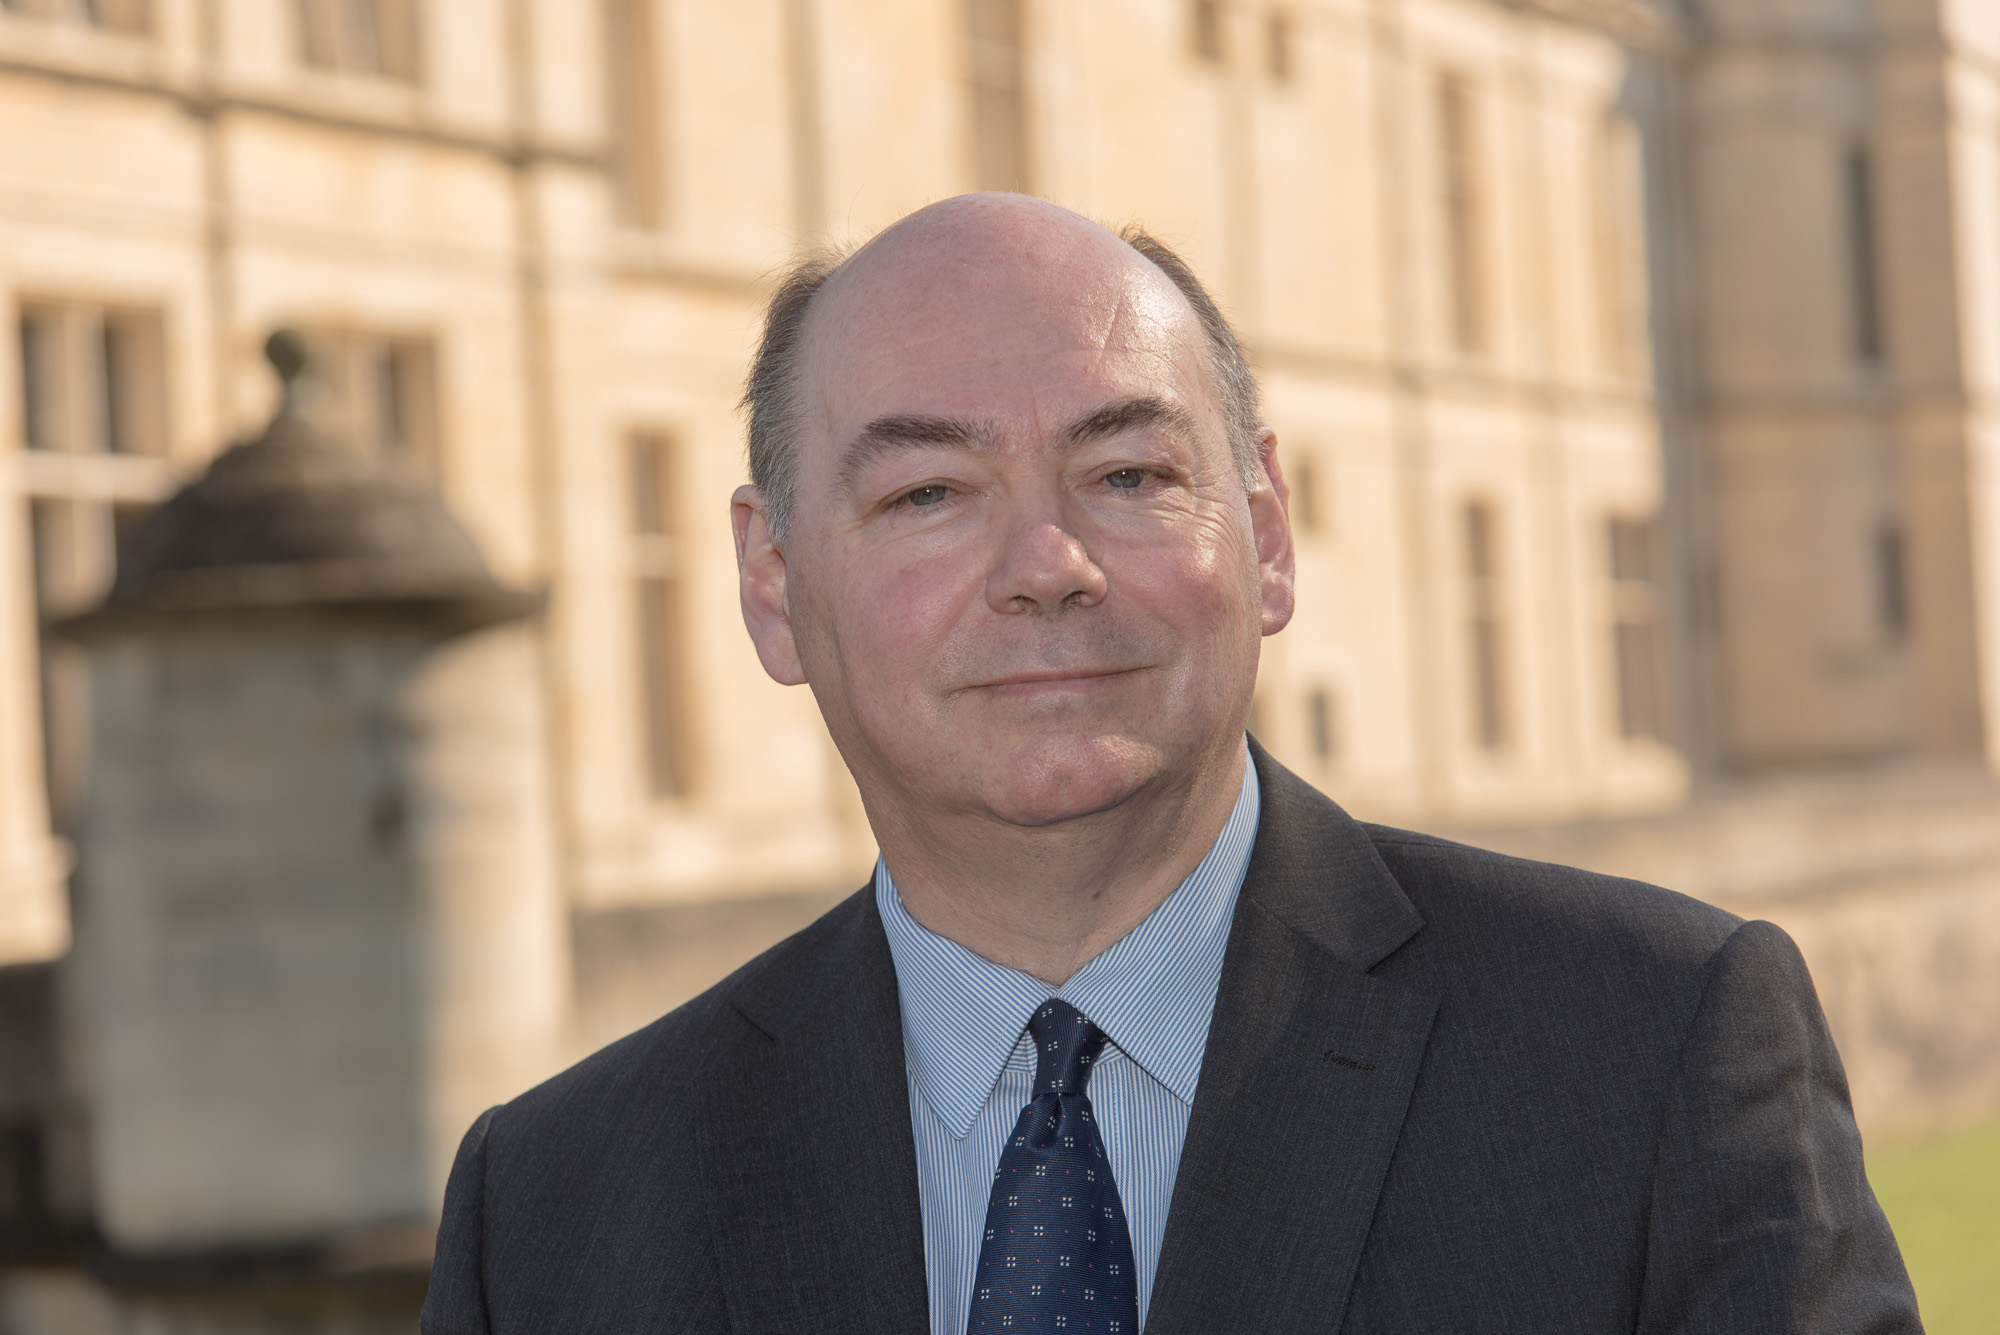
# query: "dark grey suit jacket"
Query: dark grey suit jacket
1444,1090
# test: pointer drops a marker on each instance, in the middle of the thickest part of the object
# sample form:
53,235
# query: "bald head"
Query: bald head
983,249
1023,265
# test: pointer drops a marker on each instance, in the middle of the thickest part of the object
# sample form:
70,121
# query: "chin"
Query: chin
1051,780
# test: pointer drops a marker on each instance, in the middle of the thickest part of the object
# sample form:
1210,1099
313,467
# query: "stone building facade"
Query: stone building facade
535,235
1831,278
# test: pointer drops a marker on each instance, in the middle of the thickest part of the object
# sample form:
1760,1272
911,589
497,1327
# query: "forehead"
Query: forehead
997,327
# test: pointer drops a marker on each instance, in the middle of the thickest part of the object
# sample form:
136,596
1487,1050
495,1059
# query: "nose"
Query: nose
1043,568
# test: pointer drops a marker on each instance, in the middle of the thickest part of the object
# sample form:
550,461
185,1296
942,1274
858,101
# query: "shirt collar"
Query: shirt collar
1152,993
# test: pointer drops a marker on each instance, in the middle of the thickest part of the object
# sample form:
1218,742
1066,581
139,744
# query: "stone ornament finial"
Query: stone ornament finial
305,395
288,353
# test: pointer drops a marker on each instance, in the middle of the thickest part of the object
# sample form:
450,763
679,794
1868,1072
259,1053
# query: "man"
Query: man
1133,1026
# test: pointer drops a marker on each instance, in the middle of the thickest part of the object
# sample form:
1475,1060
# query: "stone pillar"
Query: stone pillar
318,926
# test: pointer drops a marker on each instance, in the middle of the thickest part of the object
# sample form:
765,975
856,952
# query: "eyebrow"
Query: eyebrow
885,435
1149,410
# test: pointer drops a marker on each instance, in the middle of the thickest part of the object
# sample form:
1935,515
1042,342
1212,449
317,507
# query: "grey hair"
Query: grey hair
771,397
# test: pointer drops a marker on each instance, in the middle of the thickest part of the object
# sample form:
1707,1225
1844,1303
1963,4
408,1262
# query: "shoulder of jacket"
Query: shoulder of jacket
662,1066
1488,892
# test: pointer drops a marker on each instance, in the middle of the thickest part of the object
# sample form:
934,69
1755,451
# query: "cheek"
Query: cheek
888,621
1202,577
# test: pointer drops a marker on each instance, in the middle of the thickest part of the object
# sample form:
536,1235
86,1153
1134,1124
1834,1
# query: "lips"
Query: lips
1061,677
1054,687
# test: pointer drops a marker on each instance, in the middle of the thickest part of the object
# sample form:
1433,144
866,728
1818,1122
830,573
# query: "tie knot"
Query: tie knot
1066,1045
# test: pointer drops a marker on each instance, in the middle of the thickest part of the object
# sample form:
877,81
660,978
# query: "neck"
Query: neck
1048,900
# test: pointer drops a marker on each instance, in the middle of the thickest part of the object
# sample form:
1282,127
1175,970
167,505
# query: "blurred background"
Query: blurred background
1636,368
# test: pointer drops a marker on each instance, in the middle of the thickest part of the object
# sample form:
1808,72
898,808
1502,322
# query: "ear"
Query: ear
1271,523
760,572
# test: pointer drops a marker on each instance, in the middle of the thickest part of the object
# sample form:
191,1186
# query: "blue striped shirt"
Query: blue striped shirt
972,1066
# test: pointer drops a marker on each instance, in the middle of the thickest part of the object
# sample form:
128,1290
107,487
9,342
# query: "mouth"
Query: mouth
1067,681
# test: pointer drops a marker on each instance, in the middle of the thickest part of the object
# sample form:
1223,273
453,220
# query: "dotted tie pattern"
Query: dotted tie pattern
1057,1255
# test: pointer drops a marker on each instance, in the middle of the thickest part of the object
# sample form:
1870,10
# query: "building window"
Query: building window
1322,725
1484,633
381,396
657,588
1307,482
92,381
371,37
631,62
1458,167
1637,646
1278,57
994,43
1205,30
1621,250
72,543
1892,592
129,16
1864,273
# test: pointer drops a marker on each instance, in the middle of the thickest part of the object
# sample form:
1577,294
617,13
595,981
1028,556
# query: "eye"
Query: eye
1127,478
929,495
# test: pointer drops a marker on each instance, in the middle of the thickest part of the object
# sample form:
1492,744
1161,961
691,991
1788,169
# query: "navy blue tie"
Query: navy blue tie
1057,1253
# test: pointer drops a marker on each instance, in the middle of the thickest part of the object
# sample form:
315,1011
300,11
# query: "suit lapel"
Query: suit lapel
812,1162
1305,1082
